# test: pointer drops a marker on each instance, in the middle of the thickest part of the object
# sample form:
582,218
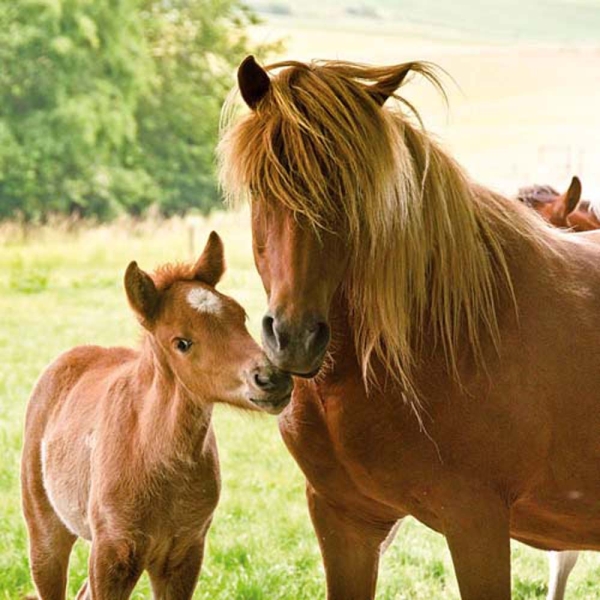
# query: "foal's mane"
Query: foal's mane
167,275
428,248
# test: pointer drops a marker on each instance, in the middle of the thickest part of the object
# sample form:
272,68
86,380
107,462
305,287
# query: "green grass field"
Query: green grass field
60,288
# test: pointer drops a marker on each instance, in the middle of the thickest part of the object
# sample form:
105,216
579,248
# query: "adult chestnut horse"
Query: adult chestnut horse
446,393
561,210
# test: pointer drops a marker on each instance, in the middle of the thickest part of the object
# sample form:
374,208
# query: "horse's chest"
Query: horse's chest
374,445
349,446
178,497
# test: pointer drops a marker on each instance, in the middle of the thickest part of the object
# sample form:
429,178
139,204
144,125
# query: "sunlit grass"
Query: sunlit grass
261,545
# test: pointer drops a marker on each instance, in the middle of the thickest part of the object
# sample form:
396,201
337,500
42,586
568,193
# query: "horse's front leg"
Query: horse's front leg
561,565
114,569
476,525
350,546
178,579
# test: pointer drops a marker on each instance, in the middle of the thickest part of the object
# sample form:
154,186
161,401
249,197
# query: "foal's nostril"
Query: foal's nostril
269,379
262,380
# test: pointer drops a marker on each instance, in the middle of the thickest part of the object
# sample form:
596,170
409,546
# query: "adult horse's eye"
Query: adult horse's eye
183,345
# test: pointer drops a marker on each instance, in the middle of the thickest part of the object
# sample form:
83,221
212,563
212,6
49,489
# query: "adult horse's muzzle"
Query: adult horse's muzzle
296,347
271,388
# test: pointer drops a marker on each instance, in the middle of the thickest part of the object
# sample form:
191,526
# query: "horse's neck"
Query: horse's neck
171,420
523,266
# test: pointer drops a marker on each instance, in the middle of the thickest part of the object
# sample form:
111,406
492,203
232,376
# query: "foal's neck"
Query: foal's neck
173,422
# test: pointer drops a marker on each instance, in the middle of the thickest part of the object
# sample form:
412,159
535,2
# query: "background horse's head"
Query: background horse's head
566,210
198,336
550,204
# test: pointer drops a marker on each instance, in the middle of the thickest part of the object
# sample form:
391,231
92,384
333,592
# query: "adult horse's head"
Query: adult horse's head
336,183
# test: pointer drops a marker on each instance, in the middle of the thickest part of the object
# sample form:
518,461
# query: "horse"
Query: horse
119,448
566,211
561,210
404,298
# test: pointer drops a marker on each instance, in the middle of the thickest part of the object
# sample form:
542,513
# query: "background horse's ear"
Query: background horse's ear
385,87
253,81
141,293
566,203
210,267
573,195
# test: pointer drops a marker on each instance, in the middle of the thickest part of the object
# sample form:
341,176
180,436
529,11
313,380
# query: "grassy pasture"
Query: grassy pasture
60,288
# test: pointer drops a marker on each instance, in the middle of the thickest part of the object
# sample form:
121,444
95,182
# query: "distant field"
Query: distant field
523,109
60,288
503,21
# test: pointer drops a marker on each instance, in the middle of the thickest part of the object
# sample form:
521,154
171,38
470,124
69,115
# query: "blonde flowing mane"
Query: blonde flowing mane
427,246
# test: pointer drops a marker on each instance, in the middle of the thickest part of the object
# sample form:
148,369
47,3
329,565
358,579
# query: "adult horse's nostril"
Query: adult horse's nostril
318,338
267,327
274,334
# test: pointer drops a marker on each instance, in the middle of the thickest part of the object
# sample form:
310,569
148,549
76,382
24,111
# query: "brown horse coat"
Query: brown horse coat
462,383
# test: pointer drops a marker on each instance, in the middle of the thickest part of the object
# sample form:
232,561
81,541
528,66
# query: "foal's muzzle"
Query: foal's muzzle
298,348
271,388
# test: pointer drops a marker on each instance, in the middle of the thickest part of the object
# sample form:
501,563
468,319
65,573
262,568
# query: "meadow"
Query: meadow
60,286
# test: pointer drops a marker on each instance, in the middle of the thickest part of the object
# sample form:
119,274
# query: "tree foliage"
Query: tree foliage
113,105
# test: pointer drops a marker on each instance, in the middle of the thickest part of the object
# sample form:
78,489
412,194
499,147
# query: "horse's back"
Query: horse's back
63,374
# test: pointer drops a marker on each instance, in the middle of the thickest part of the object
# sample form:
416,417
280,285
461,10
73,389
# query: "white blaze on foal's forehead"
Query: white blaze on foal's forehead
204,300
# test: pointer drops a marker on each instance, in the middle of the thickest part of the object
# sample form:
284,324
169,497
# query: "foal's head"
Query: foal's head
199,336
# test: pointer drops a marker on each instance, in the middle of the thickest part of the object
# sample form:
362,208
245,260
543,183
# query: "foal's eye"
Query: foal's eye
183,345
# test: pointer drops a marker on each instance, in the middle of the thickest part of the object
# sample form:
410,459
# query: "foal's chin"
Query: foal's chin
273,406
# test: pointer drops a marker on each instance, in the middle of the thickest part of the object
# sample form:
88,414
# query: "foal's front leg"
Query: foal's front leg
178,581
114,569
350,546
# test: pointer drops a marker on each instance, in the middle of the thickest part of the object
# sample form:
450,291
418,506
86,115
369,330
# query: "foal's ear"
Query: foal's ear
386,86
253,81
210,267
141,293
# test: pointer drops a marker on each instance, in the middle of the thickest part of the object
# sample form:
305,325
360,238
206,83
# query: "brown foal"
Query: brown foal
119,447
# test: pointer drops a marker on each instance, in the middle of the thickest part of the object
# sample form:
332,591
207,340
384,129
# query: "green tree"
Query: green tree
195,47
112,105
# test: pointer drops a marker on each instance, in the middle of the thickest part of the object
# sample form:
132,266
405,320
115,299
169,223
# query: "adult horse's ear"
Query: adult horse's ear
253,81
141,293
386,86
210,267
